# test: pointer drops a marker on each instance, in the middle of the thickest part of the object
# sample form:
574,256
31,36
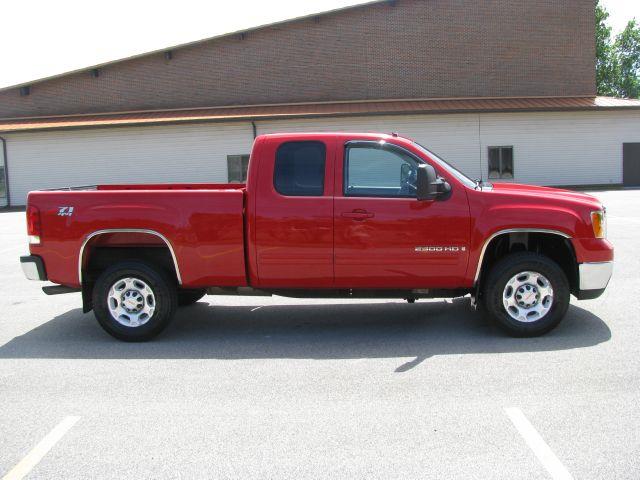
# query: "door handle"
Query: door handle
358,215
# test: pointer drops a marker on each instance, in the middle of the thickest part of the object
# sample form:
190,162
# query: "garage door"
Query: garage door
3,177
631,164
180,153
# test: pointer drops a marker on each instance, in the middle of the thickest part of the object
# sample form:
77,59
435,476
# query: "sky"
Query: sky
620,12
40,38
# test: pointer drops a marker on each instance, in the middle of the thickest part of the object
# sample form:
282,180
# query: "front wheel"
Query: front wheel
133,301
526,294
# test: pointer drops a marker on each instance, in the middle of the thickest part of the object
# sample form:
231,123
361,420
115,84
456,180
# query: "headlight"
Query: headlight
599,223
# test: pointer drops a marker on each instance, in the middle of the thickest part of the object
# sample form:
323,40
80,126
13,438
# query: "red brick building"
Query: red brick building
504,89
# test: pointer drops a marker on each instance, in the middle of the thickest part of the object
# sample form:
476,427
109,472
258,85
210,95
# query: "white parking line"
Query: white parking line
537,444
41,449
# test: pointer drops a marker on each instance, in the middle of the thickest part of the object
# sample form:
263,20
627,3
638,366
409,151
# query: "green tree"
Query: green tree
627,64
604,53
617,62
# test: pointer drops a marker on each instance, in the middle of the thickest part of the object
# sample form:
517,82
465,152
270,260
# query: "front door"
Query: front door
631,164
384,236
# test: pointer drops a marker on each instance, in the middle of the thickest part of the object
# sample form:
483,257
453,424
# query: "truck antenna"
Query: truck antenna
480,150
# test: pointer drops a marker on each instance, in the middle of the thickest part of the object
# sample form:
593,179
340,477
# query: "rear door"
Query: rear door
294,213
384,236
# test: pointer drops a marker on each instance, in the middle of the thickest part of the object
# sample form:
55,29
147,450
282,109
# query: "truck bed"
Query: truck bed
150,186
173,186
202,225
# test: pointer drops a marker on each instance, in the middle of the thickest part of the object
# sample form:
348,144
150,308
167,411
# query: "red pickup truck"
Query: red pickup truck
322,215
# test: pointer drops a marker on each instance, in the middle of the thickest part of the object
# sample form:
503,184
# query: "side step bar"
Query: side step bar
244,291
59,290
412,294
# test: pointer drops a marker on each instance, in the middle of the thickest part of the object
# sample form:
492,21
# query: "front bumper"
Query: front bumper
594,278
33,267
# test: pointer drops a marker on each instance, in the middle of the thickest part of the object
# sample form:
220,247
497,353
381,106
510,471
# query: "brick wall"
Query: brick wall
401,49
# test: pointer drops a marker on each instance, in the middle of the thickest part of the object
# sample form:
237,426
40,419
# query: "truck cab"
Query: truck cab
342,212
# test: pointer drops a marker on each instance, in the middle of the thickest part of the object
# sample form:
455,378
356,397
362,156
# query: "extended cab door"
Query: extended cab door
384,236
294,212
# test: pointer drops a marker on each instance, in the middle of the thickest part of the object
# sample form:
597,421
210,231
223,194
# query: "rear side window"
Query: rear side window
299,169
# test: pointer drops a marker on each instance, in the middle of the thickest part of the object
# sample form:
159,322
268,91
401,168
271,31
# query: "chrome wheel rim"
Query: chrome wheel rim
527,297
131,302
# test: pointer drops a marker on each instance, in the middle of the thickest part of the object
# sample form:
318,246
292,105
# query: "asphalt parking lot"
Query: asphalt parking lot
283,388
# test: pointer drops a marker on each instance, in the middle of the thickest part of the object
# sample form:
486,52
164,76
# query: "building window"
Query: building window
378,172
501,162
237,168
299,169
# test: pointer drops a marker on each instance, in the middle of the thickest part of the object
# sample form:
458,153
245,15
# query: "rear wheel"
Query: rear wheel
133,301
526,294
189,297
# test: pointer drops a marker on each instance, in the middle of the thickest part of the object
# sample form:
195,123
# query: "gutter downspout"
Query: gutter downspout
480,148
255,130
6,171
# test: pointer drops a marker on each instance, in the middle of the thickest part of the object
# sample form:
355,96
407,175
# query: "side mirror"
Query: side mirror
428,184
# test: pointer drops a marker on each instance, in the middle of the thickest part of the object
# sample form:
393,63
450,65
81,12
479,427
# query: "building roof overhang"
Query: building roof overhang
318,110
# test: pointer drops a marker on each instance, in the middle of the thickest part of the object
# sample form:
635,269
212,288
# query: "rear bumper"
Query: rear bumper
33,268
594,278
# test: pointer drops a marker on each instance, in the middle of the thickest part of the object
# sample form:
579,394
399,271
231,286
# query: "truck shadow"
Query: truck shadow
338,331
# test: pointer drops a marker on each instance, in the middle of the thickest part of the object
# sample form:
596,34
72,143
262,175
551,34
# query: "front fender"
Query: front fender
496,220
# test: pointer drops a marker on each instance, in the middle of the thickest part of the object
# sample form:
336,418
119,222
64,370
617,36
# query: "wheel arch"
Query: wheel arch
134,235
553,243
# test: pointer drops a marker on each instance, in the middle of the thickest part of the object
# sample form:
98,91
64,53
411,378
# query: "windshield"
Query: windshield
447,166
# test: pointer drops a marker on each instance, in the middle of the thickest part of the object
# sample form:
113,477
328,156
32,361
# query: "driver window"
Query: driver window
372,171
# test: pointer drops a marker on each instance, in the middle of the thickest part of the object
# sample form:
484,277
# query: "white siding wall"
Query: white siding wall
570,148
453,137
185,153
576,148
549,148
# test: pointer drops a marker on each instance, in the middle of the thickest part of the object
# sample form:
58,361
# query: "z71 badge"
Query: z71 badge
65,211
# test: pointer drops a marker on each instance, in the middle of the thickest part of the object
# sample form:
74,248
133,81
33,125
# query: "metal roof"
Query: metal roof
318,110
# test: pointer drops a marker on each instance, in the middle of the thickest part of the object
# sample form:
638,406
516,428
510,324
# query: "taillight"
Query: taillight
34,226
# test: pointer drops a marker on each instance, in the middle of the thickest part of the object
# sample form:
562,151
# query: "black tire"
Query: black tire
164,300
496,282
189,297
